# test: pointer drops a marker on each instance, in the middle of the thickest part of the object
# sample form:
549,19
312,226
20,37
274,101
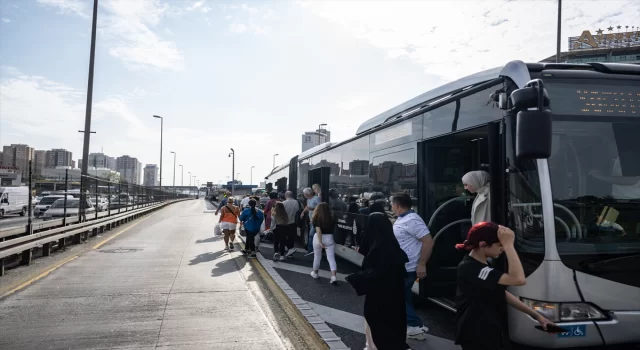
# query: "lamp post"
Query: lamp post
233,170
320,128
182,175
559,31
189,178
274,160
87,117
174,170
161,127
251,178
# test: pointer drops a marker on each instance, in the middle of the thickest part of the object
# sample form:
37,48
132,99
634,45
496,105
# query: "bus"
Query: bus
560,143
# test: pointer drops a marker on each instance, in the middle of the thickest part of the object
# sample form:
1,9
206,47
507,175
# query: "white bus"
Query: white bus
575,206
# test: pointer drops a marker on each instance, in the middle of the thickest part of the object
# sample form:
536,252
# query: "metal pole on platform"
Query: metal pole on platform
559,31
233,171
30,209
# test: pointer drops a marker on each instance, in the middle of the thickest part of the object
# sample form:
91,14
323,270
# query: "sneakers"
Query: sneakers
417,333
290,253
314,275
245,252
230,245
333,280
276,256
283,258
252,255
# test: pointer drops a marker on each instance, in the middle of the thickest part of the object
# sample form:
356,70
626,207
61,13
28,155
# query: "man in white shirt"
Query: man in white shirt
245,202
291,206
414,238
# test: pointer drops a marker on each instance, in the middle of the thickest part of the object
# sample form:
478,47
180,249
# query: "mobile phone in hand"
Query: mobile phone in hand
552,329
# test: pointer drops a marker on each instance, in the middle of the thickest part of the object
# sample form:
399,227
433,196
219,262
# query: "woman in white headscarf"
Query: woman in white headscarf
478,182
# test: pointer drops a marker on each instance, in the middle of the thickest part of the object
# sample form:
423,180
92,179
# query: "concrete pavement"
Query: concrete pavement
166,282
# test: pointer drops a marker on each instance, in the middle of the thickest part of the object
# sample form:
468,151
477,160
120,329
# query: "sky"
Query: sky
251,75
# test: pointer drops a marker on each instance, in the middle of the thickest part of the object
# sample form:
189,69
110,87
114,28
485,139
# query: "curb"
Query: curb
325,332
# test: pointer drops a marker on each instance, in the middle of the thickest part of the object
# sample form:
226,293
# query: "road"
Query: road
160,281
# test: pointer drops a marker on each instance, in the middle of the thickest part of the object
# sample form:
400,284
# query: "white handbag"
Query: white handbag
217,230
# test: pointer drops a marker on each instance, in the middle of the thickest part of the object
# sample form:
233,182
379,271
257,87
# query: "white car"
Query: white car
46,202
57,211
102,204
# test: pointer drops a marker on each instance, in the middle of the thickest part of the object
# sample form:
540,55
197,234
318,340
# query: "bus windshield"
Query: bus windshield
595,176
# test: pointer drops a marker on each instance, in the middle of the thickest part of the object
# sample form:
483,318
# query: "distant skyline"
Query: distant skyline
254,75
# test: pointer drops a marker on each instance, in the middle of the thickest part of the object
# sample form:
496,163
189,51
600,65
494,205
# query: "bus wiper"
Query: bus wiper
601,264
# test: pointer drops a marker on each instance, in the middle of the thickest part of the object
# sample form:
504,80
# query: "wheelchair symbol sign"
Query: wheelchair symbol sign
575,331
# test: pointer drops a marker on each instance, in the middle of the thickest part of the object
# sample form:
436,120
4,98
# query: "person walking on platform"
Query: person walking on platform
252,219
279,225
228,222
268,208
324,223
292,206
414,238
481,296
384,304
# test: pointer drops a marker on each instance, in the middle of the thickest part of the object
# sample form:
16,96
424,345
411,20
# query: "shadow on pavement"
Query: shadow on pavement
210,239
228,266
210,206
206,257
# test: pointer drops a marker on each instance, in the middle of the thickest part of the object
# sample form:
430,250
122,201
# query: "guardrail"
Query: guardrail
24,245
44,225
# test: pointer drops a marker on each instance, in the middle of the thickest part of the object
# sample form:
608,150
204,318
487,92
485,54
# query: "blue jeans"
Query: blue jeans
412,319
312,233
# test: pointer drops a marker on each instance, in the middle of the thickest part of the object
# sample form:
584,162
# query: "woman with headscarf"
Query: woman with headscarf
478,182
384,305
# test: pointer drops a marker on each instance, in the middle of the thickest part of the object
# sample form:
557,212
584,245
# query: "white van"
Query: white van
14,200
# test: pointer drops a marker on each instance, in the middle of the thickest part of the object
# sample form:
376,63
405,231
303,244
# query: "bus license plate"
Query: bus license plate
574,331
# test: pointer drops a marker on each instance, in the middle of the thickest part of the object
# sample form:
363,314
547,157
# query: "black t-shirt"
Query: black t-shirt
481,305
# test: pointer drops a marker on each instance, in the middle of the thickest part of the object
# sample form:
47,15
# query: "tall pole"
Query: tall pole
181,176
189,177
251,178
174,170
274,160
233,171
87,118
161,127
559,31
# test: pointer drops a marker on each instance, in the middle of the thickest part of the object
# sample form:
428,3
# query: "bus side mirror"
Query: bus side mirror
533,134
533,121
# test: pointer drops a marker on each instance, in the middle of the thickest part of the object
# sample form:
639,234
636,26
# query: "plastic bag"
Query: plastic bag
217,230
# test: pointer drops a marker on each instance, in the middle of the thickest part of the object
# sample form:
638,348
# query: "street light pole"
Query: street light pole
87,118
559,31
233,170
274,160
182,176
251,181
161,127
189,178
174,170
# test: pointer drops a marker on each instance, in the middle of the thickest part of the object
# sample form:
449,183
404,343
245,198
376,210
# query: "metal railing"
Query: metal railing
23,246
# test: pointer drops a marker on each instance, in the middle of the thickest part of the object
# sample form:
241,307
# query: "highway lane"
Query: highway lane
164,282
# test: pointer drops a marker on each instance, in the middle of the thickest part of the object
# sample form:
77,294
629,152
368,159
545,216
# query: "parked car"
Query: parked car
56,210
46,202
14,200
101,205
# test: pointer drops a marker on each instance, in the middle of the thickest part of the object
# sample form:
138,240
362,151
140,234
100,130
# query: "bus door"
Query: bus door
445,205
321,176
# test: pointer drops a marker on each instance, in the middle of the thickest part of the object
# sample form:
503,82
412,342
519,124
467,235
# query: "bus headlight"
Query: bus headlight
566,312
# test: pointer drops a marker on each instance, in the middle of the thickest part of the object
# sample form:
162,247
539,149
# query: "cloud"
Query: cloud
5,20
128,27
198,6
77,7
354,103
452,41
248,19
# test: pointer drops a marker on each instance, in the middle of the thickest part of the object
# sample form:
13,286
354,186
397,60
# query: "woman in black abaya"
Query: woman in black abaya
384,305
